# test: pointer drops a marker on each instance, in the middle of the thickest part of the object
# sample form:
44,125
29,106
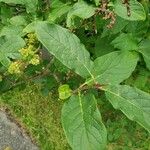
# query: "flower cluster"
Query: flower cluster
29,55
15,67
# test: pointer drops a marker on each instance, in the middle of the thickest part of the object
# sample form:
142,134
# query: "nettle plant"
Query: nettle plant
88,50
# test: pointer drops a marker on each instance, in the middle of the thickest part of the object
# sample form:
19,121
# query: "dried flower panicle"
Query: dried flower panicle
108,14
126,2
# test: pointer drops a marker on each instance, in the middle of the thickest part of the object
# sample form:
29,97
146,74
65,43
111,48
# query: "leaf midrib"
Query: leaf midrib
81,106
128,100
67,49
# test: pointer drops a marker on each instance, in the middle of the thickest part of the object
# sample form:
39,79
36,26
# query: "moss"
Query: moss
40,114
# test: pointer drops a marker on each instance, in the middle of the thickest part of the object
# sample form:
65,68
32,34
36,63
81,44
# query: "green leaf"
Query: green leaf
144,48
56,3
64,91
12,1
82,123
31,5
57,12
141,78
97,2
5,13
31,27
80,9
126,42
137,28
66,47
119,25
19,20
9,49
12,30
114,67
134,103
136,9
102,47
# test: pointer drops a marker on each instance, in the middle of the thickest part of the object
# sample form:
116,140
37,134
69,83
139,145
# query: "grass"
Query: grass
40,114
41,117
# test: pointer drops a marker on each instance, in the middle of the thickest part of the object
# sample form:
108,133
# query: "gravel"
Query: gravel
12,137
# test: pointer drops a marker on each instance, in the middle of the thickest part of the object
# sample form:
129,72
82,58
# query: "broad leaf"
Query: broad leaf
134,103
31,27
19,20
66,47
144,48
12,30
57,12
56,3
12,1
9,49
102,47
82,10
114,67
82,123
5,13
30,4
119,25
141,79
125,42
136,9
137,28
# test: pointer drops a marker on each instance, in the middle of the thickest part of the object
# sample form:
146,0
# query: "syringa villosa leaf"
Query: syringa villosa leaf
115,67
66,47
82,123
134,103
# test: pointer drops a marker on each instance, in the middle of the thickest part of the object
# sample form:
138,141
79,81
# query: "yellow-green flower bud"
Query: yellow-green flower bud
64,91
28,52
15,68
31,39
35,60
24,52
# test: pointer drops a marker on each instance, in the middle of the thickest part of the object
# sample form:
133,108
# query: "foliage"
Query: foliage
58,46
39,115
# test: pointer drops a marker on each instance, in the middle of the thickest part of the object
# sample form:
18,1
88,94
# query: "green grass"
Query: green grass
40,114
41,117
